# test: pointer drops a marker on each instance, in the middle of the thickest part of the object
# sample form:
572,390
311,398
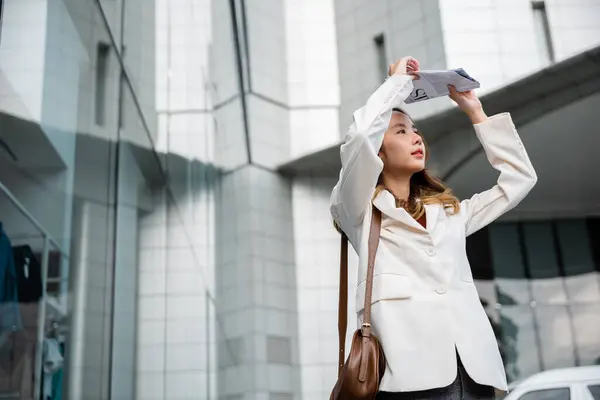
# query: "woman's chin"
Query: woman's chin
417,167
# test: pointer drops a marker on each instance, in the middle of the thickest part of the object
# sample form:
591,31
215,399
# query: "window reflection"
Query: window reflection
547,293
519,341
542,262
507,261
586,323
556,343
581,279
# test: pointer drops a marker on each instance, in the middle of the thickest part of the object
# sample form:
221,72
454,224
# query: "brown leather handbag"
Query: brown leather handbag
360,374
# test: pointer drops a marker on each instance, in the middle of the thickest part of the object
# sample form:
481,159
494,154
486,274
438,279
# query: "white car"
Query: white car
577,383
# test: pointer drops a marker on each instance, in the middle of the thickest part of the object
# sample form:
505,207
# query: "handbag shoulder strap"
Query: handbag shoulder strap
343,302
374,232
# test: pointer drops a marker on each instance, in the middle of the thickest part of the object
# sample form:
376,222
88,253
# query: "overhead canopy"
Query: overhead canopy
528,99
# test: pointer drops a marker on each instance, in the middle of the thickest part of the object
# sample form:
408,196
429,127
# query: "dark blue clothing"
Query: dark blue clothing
10,318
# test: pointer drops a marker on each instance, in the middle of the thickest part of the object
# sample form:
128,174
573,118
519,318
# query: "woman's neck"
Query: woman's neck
398,186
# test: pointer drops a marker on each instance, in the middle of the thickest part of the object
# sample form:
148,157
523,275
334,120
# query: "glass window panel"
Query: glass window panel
506,251
64,177
112,10
507,261
595,391
583,288
140,54
581,279
539,250
574,246
549,291
513,291
593,227
547,285
548,394
556,339
519,342
586,327
479,254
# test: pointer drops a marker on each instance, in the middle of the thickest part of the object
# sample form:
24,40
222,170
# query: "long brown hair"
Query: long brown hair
424,189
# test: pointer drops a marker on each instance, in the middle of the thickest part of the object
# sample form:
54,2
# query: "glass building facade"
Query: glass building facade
102,186
540,281
152,249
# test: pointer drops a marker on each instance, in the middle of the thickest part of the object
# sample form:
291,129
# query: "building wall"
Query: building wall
408,28
176,326
317,275
91,325
266,86
255,294
23,22
229,314
499,41
139,53
314,97
312,75
256,291
227,62
495,41
574,25
183,89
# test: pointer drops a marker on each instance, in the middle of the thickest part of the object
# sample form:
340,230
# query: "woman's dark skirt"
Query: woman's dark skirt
463,388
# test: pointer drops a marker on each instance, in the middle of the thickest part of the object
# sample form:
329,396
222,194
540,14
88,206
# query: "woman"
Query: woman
437,339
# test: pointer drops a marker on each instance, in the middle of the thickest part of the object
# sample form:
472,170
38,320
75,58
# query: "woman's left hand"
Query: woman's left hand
469,103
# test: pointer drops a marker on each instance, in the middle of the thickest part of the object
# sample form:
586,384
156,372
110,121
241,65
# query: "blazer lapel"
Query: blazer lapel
432,211
386,203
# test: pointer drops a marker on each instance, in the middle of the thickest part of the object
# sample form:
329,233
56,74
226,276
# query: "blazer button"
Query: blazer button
431,251
440,290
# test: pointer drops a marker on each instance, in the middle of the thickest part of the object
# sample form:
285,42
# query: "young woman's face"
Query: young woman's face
403,150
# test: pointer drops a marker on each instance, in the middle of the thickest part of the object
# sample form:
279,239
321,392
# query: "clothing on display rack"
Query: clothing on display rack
20,294
57,379
31,358
10,318
11,373
29,274
52,367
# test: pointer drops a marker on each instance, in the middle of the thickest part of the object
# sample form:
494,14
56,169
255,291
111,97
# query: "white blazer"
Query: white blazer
425,303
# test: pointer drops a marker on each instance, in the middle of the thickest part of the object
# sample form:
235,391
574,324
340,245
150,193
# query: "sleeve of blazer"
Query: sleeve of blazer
361,165
506,153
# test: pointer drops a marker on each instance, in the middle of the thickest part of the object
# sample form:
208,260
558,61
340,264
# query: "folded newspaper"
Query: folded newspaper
432,84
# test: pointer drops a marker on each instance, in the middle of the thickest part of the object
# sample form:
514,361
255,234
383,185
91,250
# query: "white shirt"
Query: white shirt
425,303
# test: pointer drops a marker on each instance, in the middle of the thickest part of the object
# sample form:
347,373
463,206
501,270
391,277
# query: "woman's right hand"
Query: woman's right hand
405,66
